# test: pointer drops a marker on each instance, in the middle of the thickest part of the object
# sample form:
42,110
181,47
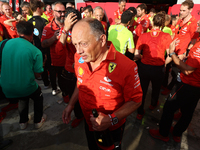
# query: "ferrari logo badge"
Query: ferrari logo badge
111,67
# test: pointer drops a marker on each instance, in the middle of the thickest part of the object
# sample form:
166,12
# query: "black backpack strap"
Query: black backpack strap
1,48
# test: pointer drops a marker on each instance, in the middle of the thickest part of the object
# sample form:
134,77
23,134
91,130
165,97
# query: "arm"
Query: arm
66,116
9,21
48,42
137,55
37,75
186,69
69,21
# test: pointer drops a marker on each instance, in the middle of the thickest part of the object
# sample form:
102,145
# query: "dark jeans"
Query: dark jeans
153,74
67,86
23,108
56,70
116,134
184,97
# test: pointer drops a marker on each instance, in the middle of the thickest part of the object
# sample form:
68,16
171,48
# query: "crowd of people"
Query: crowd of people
100,66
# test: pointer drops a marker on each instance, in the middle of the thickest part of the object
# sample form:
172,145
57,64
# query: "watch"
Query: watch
114,120
170,54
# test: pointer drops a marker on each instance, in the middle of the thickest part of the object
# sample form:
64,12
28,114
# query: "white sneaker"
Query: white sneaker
23,125
38,125
55,92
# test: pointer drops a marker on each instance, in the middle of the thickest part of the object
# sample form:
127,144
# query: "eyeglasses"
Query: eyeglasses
60,12
179,29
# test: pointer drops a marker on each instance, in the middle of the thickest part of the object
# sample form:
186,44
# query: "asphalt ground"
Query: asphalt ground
55,135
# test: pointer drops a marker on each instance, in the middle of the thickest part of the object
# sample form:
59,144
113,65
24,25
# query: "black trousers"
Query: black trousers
67,86
153,74
23,108
116,134
56,70
184,97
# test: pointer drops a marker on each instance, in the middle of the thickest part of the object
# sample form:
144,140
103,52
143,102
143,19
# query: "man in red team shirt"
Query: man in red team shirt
98,13
101,85
50,37
184,97
119,12
143,18
49,12
185,31
68,75
10,31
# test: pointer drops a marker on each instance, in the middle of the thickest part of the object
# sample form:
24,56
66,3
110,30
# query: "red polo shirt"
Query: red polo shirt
69,51
107,88
154,44
137,30
185,32
49,15
193,60
118,14
11,30
48,32
144,21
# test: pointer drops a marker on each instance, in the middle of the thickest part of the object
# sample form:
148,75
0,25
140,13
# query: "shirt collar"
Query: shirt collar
111,53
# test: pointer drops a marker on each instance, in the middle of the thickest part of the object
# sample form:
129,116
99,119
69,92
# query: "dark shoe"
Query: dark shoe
155,134
76,122
10,107
153,107
139,116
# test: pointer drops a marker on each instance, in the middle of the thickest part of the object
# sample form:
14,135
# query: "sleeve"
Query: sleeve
139,45
193,29
46,34
194,57
130,41
60,48
132,89
38,62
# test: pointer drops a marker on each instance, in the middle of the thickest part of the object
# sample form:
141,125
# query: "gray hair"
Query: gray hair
96,27
54,4
98,7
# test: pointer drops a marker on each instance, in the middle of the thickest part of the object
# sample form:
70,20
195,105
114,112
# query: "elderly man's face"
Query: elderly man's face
122,6
98,14
87,45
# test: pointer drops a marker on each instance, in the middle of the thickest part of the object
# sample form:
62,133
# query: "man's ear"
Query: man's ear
103,40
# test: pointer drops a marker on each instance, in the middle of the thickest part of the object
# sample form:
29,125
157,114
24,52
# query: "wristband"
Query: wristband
170,54
63,31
